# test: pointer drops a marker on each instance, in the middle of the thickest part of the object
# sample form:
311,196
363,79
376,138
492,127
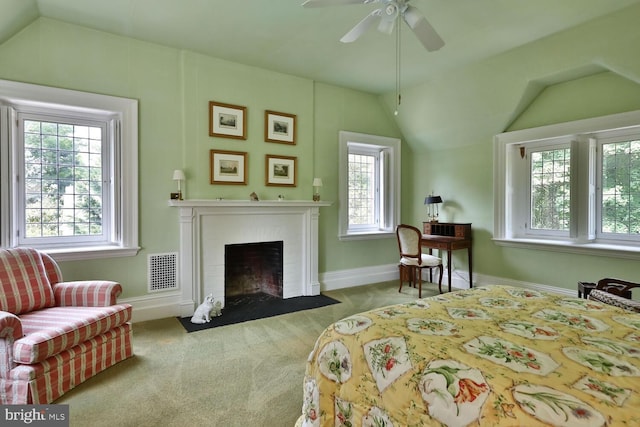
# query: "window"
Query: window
572,187
619,197
69,171
369,185
549,190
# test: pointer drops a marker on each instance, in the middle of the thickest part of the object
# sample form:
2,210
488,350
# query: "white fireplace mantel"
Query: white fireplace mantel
206,226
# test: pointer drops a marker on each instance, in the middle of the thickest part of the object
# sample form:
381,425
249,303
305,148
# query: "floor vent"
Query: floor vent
163,272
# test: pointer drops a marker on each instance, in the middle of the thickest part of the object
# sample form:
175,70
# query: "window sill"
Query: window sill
90,252
368,235
589,248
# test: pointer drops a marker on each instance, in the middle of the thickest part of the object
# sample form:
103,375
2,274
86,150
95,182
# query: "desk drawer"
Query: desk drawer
436,245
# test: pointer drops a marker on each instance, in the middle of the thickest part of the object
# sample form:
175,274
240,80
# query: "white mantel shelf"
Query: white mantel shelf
207,225
193,203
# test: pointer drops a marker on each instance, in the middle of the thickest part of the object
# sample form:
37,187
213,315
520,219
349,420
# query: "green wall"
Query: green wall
174,88
447,126
589,71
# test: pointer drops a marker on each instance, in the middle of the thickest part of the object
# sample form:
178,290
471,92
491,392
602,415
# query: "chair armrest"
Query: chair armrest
87,293
10,326
615,300
10,330
617,286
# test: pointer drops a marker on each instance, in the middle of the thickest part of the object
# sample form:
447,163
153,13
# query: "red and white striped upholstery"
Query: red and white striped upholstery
54,334
24,285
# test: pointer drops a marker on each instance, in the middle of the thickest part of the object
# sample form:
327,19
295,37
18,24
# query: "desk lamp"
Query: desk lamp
432,211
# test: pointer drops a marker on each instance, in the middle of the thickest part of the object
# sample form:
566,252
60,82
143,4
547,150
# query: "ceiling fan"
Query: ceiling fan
388,14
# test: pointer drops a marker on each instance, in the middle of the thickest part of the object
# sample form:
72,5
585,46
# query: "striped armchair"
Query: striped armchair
54,334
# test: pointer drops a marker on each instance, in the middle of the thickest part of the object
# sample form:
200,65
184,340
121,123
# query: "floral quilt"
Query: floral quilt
490,356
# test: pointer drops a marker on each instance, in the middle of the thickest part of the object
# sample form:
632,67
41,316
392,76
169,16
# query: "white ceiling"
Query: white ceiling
283,36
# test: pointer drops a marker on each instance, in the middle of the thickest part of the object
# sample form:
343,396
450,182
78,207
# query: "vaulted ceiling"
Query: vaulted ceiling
283,36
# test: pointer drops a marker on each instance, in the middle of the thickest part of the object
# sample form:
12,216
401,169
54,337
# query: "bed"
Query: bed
489,356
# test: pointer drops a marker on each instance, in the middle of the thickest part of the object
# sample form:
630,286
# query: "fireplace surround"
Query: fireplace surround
206,226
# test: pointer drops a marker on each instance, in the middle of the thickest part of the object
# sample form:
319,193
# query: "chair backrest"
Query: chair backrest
409,241
617,286
24,285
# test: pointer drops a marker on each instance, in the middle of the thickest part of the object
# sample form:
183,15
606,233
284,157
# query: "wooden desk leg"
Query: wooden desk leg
470,269
449,267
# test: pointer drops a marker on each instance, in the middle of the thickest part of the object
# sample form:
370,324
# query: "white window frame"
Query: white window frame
123,206
523,203
511,207
388,207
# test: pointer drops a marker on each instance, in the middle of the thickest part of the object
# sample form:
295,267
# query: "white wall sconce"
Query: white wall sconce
178,175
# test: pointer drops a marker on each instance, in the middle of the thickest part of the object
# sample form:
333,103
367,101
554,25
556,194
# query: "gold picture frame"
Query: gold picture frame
228,167
280,127
227,120
281,171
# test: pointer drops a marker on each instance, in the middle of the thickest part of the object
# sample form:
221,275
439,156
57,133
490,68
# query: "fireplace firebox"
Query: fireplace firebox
253,268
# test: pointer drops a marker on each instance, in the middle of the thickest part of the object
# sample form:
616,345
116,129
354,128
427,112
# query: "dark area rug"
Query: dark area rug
251,307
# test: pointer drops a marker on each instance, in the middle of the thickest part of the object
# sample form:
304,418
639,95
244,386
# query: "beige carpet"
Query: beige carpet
248,374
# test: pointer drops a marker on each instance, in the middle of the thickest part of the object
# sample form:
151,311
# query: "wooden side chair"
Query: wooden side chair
412,260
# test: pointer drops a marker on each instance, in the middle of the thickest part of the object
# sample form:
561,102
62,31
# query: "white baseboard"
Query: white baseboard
382,273
154,306
159,306
357,277
459,279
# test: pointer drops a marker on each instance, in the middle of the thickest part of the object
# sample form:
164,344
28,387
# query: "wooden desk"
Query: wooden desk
447,236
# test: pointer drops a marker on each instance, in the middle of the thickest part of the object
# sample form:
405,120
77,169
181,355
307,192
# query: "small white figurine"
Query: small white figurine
203,312
217,309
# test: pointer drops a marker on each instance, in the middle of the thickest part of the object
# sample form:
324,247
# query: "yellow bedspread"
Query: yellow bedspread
491,356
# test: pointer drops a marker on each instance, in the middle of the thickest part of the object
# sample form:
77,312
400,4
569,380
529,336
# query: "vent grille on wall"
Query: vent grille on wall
163,272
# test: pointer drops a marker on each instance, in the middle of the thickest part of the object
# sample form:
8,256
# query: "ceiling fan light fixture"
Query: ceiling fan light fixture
386,25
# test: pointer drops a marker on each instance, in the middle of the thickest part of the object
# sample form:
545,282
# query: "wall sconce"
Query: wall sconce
432,203
178,175
317,183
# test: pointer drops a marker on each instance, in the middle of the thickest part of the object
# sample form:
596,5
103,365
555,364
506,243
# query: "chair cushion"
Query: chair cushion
615,300
49,331
427,260
24,285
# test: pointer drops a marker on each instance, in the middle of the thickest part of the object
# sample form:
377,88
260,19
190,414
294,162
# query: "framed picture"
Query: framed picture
227,121
279,127
280,170
228,167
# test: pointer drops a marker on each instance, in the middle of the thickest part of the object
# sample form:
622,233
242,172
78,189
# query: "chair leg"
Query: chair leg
440,280
419,271
400,271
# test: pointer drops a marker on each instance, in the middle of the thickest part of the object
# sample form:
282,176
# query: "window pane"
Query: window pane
621,187
550,189
361,189
58,166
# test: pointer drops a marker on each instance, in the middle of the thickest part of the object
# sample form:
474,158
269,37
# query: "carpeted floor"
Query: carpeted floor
247,374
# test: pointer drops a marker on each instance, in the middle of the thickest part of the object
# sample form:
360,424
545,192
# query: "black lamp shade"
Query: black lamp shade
430,200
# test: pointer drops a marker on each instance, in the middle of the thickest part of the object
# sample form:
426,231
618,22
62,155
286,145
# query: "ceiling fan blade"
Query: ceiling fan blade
361,27
323,3
427,35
